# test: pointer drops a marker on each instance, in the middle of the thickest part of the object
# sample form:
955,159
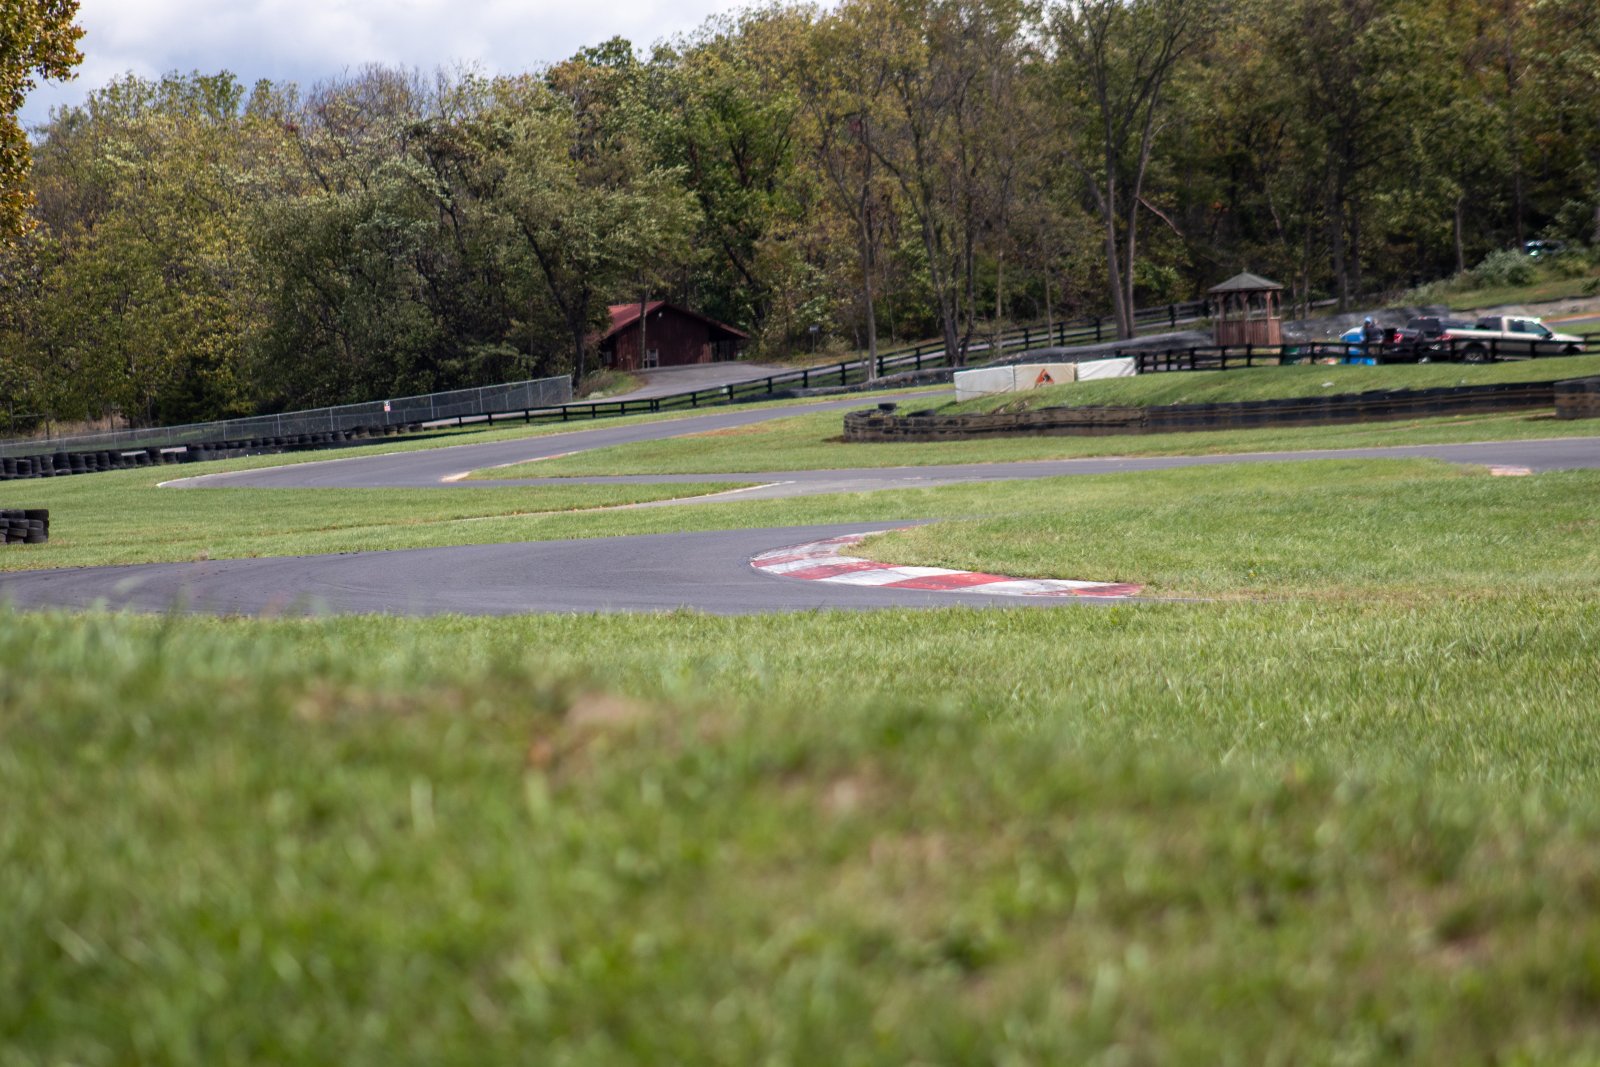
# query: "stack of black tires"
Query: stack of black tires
57,464
24,527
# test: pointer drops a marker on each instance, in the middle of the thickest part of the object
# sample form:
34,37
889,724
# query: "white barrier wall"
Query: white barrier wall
1107,368
987,381
983,382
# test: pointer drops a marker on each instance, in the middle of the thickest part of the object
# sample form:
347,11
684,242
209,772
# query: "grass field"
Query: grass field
1340,808
1393,531
1539,292
807,442
1272,383
1551,280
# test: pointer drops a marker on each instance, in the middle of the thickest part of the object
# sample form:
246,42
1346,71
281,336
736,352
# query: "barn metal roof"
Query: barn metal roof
625,315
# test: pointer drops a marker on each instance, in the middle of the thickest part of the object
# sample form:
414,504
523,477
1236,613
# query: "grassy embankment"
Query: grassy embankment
1354,820
605,382
1543,291
1274,383
1506,279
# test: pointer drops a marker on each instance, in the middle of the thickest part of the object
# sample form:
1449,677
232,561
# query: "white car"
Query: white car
1498,336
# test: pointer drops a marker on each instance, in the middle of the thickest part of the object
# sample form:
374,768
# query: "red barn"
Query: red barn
673,336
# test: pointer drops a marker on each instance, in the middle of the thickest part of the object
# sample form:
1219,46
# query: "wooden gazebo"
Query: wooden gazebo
1248,311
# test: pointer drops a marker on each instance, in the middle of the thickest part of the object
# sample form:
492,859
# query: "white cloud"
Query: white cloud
306,40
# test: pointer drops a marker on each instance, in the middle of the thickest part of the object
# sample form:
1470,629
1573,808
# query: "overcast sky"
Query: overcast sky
306,40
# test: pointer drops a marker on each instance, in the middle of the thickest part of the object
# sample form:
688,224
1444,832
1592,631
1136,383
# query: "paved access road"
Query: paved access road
705,571
667,381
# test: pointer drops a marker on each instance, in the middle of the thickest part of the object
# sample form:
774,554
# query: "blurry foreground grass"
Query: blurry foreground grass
1178,833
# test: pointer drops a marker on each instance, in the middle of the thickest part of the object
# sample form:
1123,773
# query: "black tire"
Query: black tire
1572,350
1475,354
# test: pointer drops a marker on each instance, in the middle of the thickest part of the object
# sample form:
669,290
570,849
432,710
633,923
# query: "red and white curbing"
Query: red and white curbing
824,561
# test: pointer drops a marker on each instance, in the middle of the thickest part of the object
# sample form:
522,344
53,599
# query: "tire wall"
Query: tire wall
57,464
1578,399
1181,418
19,526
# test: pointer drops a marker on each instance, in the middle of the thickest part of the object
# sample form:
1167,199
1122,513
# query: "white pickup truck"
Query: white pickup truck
1502,336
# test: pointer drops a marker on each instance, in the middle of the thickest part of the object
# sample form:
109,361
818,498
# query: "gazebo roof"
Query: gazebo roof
1246,283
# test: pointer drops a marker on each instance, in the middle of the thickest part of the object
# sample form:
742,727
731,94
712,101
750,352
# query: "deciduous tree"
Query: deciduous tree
38,39
1115,61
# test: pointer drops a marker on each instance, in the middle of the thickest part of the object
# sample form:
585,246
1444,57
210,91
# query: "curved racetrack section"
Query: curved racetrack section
705,571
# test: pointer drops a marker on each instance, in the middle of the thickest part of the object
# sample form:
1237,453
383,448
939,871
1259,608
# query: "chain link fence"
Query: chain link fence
401,411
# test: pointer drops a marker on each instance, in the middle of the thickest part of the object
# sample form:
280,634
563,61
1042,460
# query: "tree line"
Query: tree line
882,169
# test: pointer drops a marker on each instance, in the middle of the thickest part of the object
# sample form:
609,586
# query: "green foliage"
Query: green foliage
38,39
141,302
384,274
728,118
1505,266
908,168
585,210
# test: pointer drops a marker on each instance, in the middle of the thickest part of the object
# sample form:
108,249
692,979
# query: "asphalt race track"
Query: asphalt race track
708,571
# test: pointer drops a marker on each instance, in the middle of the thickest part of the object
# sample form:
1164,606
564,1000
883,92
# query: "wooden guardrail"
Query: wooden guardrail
1230,357
924,356
929,354
932,355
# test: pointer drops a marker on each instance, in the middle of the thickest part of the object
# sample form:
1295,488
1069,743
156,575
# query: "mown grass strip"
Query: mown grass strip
122,517
1338,529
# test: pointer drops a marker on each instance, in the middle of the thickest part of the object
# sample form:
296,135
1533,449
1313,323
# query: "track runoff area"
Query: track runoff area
722,572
